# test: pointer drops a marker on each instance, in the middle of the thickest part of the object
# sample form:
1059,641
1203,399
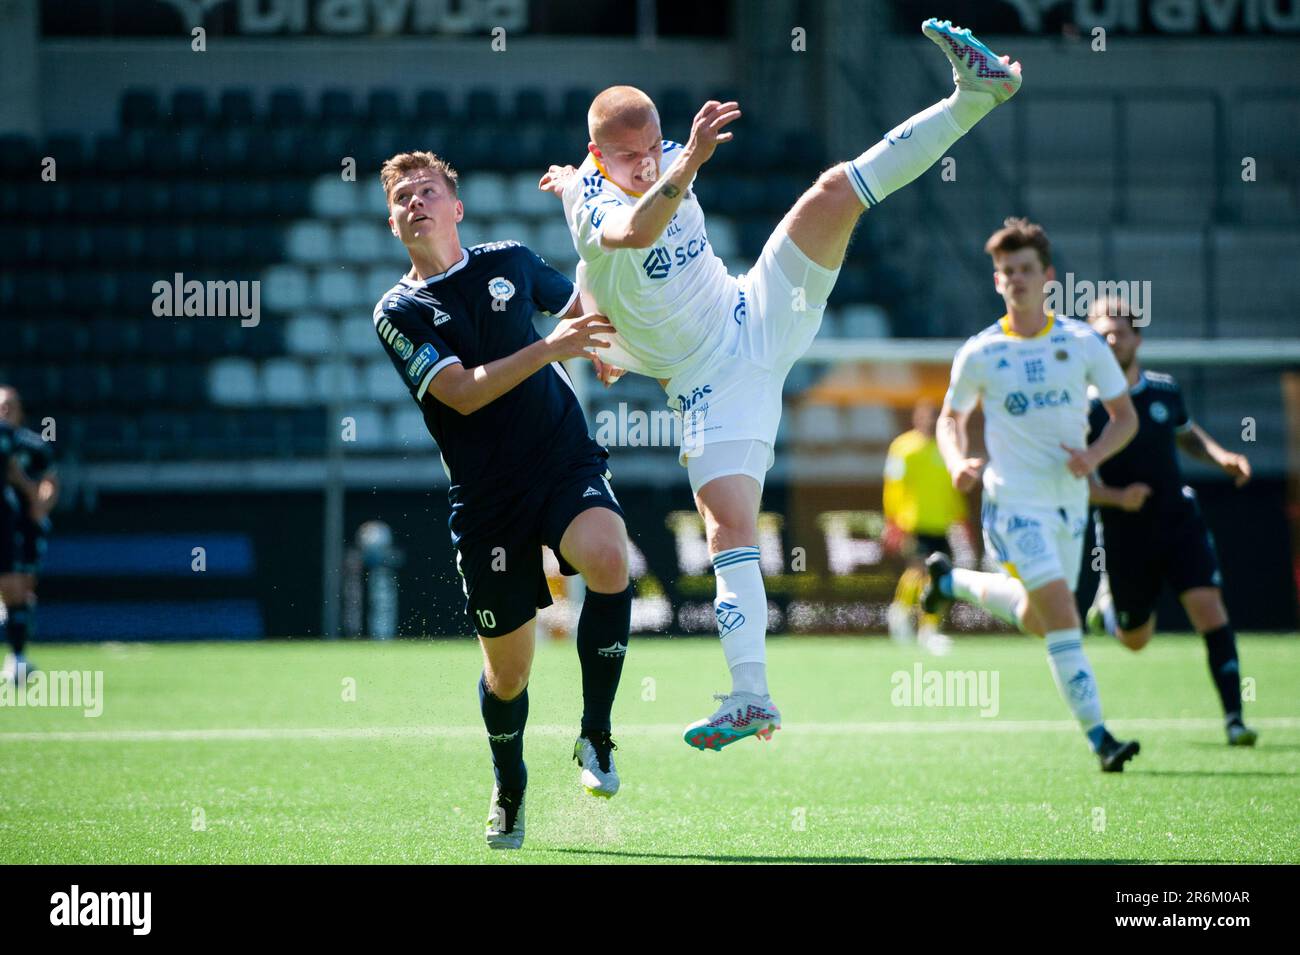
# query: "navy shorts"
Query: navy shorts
10,542
33,539
501,560
927,544
1142,556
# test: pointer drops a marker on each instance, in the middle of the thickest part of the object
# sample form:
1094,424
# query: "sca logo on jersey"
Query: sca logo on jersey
402,345
685,404
1017,404
1159,413
657,264
501,289
684,253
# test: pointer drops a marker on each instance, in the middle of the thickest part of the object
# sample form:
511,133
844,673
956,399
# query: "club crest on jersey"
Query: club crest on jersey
1159,413
402,345
1062,355
1031,543
501,289
658,263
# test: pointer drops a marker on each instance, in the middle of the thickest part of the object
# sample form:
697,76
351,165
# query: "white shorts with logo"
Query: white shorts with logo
1036,545
735,397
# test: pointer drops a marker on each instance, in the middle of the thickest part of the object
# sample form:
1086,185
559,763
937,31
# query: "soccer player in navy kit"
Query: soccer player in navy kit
459,330
1149,523
30,496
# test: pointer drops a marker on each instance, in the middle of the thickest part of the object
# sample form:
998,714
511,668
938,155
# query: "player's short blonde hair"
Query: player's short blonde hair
398,167
620,107
1019,233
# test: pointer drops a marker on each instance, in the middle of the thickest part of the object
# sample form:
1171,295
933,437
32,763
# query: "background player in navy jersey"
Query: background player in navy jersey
31,494
524,472
1150,525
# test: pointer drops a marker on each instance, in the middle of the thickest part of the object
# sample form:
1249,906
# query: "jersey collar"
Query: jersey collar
416,283
1141,385
605,172
1005,323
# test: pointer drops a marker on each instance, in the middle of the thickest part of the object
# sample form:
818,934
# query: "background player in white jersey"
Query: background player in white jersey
1031,370
722,346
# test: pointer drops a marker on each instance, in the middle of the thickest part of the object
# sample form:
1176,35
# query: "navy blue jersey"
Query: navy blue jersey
8,444
35,455
478,311
1152,456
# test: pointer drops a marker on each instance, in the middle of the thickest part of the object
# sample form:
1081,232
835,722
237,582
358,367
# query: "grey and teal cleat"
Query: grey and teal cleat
740,716
974,66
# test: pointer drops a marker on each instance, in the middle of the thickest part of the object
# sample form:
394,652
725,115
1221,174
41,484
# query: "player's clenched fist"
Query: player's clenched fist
706,129
577,336
968,475
1134,496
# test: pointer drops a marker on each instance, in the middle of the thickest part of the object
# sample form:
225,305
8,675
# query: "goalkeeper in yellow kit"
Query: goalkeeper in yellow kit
920,506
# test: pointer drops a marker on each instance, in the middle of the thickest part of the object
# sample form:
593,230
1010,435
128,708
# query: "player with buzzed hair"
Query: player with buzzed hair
722,346
1150,525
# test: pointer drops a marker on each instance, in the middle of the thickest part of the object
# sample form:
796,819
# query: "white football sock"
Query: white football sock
1073,675
1000,595
915,145
1106,604
741,609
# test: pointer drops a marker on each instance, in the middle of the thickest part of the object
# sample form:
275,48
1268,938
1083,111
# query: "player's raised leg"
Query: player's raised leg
727,493
1205,609
503,700
823,219
595,544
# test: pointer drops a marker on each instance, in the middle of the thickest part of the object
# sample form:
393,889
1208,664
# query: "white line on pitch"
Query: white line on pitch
472,732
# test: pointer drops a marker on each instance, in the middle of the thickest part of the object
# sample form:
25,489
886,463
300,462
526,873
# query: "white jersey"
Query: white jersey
670,303
1035,397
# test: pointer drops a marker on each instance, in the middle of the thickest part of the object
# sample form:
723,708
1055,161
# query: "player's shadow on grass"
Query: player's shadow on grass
1207,772
865,860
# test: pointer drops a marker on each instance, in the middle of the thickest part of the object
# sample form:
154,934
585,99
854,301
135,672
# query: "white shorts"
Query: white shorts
736,395
1036,545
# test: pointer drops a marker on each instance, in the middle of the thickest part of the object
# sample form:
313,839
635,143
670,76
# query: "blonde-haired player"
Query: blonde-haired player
722,346
1031,371
920,506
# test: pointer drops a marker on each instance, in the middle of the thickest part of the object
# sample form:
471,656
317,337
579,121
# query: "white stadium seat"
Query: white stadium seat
722,236
516,229
381,382
379,280
363,241
369,430
338,289
310,241
406,429
233,381
871,423
554,242
863,321
284,382
285,288
485,194
527,200
360,340
818,424
309,333
333,198
328,381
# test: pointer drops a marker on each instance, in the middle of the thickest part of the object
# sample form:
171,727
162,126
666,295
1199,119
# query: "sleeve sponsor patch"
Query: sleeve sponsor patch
418,365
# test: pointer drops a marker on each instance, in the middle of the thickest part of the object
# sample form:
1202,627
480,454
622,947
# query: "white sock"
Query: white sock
1073,675
914,146
741,609
1106,604
1000,595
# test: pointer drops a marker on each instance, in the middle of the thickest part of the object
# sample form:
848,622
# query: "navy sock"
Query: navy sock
602,643
505,725
19,625
1221,648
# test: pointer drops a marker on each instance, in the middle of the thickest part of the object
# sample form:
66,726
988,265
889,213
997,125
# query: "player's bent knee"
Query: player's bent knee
508,685
1135,640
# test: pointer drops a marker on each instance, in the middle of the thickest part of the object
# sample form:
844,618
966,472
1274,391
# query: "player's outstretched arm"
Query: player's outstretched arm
641,226
951,433
1198,443
466,390
1118,432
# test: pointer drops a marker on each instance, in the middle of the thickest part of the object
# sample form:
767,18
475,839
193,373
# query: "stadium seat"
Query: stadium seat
871,423
333,198
377,281
309,334
530,106
286,288
235,108
310,241
818,424
364,241
336,108
576,102
864,321
369,429
286,107
723,237
189,107
337,288
284,382
406,429
526,199
432,106
68,150
381,383
233,381
328,381
140,108
384,108
482,105
359,337
514,229
554,241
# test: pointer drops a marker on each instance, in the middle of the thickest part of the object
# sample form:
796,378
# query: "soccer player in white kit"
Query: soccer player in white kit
721,345
1031,371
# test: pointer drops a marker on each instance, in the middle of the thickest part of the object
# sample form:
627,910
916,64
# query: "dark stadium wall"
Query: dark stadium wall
128,570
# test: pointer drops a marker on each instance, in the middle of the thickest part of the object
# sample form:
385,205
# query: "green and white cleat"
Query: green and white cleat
974,66
505,821
741,715
594,752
